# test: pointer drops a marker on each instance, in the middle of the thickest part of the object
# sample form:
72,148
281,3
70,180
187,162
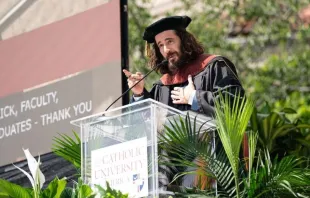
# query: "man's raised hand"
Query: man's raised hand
133,79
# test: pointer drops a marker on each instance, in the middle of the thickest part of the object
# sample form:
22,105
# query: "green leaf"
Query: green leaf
55,188
266,109
67,193
109,192
85,191
304,142
282,130
13,190
303,126
4,195
288,111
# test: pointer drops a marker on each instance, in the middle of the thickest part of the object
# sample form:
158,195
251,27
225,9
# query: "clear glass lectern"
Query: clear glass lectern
119,146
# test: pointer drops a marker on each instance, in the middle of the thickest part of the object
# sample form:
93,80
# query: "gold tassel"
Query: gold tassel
147,49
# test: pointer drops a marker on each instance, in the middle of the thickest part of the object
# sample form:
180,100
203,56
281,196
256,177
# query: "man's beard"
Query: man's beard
181,62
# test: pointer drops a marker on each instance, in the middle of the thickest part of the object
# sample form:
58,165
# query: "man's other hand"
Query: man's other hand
181,95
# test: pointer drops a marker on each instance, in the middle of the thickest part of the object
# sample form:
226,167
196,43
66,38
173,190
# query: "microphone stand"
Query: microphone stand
157,66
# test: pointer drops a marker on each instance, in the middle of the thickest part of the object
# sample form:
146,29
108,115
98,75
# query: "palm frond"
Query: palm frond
68,148
253,136
232,118
280,177
186,147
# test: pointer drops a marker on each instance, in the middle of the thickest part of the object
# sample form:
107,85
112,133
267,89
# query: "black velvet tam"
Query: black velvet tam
167,23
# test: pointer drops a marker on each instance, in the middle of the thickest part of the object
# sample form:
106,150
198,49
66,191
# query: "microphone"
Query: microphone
164,62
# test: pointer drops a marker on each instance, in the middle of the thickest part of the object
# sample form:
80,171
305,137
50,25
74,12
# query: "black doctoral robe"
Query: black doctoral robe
218,75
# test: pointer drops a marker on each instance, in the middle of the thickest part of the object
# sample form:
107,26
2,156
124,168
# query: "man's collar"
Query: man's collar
193,69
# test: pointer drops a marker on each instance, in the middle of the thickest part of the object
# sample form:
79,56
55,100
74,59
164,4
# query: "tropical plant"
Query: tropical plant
283,81
79,190
56,188
280,135
11,190
68,148
258,176
109,192
37,179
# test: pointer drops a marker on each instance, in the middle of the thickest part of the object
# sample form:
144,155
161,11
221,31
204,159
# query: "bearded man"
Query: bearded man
192,79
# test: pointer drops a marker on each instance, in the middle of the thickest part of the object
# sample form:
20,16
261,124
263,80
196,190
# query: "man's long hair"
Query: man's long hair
190,49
